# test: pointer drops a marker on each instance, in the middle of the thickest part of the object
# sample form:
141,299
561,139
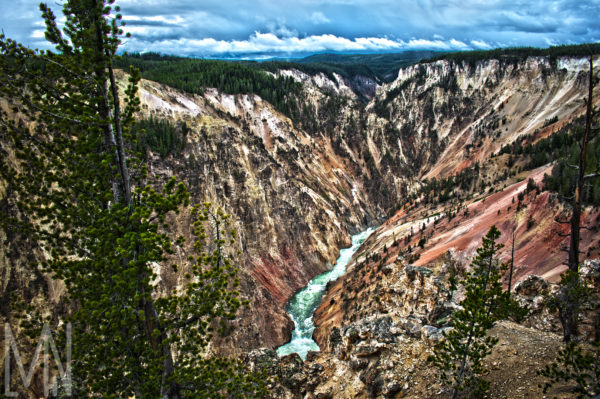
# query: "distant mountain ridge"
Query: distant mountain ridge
380,68
385,66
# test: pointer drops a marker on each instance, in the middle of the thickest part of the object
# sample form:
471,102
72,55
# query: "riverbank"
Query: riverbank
304,303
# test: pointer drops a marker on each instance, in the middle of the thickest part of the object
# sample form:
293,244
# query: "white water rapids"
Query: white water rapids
304,303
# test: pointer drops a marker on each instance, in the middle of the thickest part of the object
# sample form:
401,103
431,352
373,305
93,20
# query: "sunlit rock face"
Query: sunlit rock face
292,199
444,117
297,191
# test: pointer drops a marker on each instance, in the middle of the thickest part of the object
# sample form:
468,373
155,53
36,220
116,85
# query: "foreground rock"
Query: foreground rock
380,349
368,368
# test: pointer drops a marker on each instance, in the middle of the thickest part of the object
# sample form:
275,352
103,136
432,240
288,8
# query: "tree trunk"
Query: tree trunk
122,192
168,390
463,363
108,136
512,261
576,216
568,321
121,158
568,316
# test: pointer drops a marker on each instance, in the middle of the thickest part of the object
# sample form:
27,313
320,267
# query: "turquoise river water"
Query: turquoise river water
304,303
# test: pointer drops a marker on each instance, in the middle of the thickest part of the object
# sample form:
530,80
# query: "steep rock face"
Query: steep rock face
450,116
292,200
447,115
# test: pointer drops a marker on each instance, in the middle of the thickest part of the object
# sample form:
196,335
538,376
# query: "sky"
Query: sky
294,28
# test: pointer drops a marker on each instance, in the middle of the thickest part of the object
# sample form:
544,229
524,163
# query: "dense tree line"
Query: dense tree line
384,66
195,75
241,77
561,147
160,136
518,54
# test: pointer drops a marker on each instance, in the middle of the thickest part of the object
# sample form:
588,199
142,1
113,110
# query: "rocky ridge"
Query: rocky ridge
479,94
449,115
381,351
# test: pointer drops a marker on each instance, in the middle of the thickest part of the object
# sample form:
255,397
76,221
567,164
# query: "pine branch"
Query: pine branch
30,104
71,72
575,167
591,175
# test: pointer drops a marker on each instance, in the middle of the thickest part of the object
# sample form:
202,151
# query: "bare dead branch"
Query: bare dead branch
563,221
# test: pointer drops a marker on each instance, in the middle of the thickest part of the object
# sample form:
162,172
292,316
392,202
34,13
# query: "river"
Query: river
304,303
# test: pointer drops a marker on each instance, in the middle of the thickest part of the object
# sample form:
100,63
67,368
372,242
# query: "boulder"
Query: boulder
531,287
357,363
427,332
367,350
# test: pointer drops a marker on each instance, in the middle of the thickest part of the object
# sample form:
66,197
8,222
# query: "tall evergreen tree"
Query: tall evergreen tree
459,356
82,194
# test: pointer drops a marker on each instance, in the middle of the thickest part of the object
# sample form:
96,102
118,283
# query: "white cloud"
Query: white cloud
437,44
480,44
349,25
38,34
458,44
318,18
168,21
263,43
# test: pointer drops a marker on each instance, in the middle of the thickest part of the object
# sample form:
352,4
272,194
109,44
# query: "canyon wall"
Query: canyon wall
293,201
454,116
297,189
449,115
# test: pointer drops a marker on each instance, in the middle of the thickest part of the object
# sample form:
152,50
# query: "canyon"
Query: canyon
298,189
296,194
501,103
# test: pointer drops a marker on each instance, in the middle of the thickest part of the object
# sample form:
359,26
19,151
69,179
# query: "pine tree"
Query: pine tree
459,356
79,190
577,362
